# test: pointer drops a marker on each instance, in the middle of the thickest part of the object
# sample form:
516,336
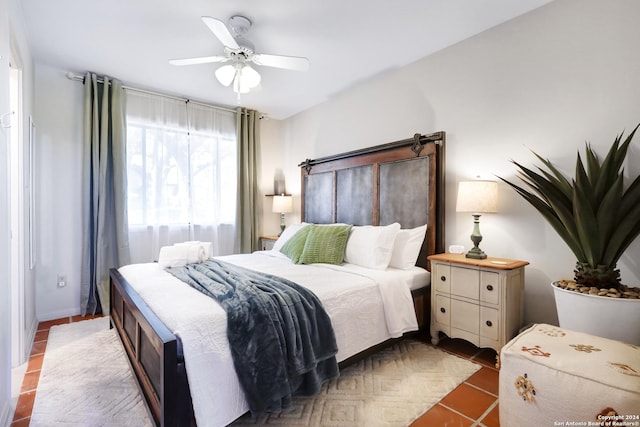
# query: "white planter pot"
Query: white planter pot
613,318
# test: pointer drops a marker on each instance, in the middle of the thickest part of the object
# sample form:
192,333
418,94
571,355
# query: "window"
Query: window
181,173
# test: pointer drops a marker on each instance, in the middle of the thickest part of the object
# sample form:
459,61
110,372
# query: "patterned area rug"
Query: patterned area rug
86,380
390,388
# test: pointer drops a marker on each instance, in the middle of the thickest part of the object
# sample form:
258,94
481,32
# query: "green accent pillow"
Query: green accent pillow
325,244
294,246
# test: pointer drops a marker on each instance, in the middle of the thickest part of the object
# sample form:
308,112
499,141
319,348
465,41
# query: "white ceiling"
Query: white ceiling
346,41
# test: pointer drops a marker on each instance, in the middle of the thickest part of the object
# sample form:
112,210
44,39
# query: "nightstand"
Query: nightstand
477,300
267,242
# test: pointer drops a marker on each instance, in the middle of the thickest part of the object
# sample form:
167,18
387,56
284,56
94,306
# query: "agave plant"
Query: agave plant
593,213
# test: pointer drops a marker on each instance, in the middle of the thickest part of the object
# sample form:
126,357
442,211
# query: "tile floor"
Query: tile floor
475,401
472,403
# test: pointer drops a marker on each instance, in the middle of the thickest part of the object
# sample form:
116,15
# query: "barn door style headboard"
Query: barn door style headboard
401,181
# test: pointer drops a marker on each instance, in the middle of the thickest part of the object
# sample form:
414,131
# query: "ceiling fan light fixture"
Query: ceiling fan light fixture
238,51
239,88
246,79
226,74
250,77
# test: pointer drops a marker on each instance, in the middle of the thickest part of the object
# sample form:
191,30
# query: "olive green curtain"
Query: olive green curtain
105,242
248,207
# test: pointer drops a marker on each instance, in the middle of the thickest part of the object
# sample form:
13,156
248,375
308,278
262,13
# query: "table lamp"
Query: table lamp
477,197
282,204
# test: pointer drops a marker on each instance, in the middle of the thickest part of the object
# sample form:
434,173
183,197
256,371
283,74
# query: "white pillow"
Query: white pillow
287,234
406,247
371,246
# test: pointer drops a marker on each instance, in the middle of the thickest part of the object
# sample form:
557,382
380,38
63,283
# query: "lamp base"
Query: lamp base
282,224
476,253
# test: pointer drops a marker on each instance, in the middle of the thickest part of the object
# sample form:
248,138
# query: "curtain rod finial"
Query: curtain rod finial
73,76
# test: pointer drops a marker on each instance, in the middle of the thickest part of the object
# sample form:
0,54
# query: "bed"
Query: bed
399,182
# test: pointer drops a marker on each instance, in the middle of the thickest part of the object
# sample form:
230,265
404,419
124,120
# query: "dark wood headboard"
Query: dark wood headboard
401,181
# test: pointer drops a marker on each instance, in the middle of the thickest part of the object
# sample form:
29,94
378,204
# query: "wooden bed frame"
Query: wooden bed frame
355,187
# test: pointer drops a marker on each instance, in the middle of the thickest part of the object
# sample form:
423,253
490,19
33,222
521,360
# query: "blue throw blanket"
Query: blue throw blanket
281,338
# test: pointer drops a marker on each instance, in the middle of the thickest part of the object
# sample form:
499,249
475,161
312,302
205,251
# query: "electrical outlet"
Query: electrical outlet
62,282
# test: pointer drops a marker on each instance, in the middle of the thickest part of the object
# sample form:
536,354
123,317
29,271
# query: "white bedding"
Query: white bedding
366,307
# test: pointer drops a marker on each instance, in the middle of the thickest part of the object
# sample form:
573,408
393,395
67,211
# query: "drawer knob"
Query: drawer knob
489,323
489,287
443,278
442,310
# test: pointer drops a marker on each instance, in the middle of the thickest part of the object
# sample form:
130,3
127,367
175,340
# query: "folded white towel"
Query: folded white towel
208,249
184,253
172,256
197,251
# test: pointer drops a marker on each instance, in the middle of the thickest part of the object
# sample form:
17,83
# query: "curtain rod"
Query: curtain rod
80,78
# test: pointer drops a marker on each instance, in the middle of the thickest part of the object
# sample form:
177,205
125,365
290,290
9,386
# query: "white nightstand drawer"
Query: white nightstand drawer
443,310
267,242
489,287
465,316
442,278
267,245
465,282
489,319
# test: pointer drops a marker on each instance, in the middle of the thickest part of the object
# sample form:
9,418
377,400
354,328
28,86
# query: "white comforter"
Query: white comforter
366,307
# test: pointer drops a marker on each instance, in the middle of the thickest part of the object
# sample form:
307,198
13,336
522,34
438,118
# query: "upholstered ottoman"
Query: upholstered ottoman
555,377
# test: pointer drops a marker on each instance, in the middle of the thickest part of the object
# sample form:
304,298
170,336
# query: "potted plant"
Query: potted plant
598,218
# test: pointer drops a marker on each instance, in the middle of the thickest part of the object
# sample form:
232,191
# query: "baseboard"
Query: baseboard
30,334
54,315
31,331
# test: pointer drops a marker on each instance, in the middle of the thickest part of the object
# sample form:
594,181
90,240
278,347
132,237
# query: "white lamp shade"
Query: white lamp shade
282,204
226,74
246,79
250,77
477,196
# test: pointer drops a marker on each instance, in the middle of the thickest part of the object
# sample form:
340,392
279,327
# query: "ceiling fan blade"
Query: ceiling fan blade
201,60
220,30
279,61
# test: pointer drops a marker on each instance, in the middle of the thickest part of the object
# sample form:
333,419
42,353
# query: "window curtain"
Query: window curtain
182,164
105,239
248,208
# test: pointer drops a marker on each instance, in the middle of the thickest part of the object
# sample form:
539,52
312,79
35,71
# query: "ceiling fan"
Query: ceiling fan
239,52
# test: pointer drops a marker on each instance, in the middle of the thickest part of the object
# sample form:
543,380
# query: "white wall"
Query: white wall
59,221
548,81
272,153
